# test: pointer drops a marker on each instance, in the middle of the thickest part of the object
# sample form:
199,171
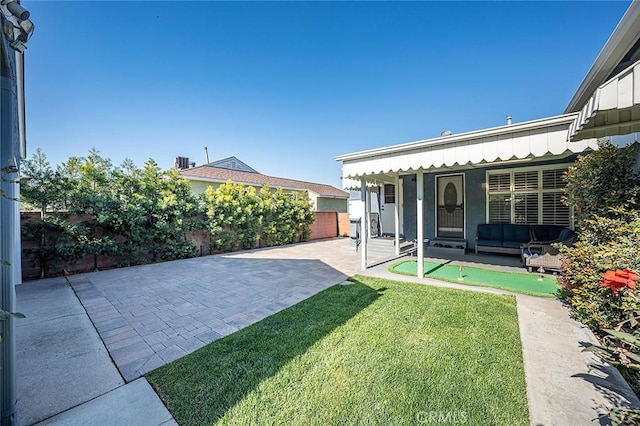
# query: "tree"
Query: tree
40,185
285,217
233,212
175,211
602,180
155,211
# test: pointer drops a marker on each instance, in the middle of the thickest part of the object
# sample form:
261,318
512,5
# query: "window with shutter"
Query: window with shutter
499,208
500,182
528,196
524,181
554,211
553,179
525,208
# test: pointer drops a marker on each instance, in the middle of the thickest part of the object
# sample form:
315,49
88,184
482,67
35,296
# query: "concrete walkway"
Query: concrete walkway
150,315
565,386
64,373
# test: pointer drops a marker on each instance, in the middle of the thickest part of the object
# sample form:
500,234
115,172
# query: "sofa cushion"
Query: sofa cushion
546,232
511,244
540,232
490,232
516,233
489,243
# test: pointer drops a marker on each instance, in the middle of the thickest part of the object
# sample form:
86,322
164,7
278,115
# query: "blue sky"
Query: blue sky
287,86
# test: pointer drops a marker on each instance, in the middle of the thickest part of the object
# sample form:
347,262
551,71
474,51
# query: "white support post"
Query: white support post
419,215
9,244
396,214
363,224
369,212
400,202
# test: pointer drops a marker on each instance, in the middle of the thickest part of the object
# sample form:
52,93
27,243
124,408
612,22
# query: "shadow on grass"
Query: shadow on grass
201,387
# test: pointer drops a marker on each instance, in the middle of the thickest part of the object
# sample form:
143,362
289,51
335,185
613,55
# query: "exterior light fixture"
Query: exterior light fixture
16,24
17,10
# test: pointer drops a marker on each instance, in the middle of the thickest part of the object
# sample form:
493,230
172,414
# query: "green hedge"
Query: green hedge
141,215
240,217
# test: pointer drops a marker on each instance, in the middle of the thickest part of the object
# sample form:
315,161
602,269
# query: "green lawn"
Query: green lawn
525,283
373,352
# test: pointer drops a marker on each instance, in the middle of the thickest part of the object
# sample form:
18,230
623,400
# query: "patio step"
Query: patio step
385,247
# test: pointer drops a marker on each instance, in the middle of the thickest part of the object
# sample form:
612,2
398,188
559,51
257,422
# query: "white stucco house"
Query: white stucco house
441,189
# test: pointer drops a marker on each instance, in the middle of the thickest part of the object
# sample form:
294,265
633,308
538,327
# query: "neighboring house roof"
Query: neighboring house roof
232,163
207,173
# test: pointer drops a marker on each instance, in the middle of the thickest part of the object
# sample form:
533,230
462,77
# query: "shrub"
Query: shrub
133,215
605,243
59,241
145,215
603,189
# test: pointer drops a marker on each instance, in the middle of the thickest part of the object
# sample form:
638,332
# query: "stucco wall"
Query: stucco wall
475,202
200,187
331,205
318,203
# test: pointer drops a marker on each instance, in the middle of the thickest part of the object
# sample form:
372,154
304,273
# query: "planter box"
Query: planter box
445,247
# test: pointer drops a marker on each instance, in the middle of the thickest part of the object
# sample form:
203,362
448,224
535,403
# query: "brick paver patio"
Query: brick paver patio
150,315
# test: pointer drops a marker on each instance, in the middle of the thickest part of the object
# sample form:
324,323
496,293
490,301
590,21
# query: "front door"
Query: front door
450,206
387,207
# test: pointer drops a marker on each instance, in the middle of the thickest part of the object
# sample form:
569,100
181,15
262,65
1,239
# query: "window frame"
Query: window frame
387,196
540,190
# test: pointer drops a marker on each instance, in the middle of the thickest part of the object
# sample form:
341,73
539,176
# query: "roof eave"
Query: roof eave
288,188
443,140
337,197
621,40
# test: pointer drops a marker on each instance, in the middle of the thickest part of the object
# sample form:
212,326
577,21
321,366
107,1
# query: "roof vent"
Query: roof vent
446,133
509,120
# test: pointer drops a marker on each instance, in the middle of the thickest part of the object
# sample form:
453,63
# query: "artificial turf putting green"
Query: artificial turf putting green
520,283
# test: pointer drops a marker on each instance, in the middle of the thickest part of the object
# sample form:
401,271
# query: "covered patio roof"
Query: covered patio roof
547,138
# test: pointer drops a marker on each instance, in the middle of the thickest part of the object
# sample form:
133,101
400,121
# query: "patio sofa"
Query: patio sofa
510,238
